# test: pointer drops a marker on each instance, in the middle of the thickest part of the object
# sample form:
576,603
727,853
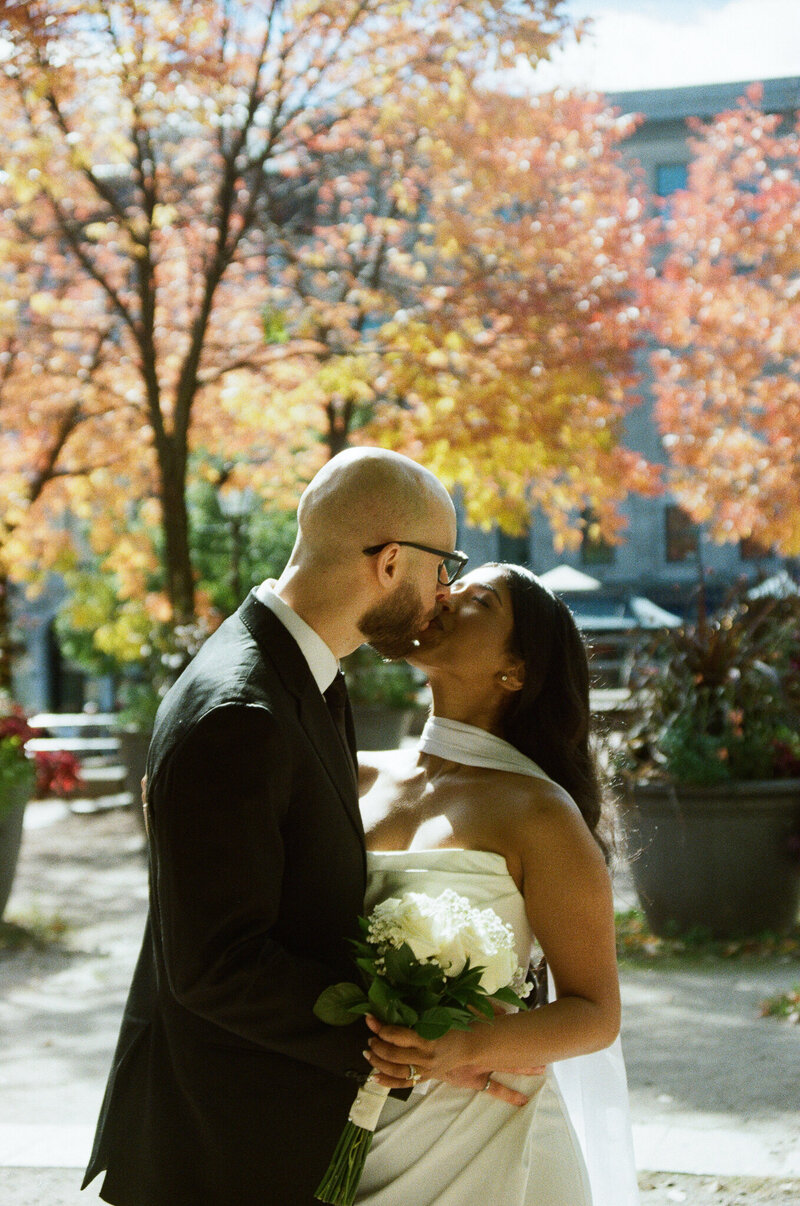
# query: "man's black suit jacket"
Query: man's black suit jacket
225,1090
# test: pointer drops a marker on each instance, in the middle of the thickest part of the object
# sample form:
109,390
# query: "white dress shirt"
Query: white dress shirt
321,660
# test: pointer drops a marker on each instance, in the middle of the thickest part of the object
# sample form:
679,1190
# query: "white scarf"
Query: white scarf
459,742
594,1087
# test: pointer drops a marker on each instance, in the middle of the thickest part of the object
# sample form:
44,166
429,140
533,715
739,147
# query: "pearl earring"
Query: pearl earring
503,678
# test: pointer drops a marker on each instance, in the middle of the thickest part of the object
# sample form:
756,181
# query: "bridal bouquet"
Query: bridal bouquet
430,963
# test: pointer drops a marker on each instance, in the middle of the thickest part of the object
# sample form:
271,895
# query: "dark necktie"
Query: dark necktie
338,702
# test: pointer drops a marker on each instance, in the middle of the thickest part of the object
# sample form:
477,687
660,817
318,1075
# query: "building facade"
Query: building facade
664,555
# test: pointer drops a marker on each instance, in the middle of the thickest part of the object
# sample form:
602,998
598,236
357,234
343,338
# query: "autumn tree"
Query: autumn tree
48,363
727,316
472,287
145,149
516,368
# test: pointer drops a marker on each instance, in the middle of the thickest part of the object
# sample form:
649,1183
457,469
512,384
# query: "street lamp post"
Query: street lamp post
236,506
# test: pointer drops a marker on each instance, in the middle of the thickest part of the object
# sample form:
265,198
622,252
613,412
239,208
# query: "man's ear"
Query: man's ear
387,565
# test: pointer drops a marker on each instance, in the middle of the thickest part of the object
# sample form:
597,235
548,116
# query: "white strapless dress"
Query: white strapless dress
453,1147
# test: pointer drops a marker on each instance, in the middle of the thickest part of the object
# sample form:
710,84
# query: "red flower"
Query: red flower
57,773
15,724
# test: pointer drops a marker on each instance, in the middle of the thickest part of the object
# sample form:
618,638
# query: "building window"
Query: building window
681,534
515,549
752,550
594,549
670,177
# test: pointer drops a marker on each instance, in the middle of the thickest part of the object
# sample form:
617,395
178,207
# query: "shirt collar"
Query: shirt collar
321,660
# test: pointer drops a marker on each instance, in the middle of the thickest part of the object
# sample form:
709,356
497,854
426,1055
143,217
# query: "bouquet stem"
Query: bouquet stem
340,1183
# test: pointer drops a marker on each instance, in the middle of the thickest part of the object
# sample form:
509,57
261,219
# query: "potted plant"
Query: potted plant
384,697
22,776
710,774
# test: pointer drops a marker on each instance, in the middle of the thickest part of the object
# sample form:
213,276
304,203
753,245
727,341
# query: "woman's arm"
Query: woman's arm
569,903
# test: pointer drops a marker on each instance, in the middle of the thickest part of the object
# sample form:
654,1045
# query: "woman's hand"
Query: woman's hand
394,1051
484,1082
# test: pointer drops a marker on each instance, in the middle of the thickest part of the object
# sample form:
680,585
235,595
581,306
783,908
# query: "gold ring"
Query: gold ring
488,1082
413,1074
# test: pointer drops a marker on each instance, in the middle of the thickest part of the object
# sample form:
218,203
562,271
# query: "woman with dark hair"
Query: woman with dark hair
502,803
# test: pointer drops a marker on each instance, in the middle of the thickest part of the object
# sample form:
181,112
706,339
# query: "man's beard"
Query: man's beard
392,627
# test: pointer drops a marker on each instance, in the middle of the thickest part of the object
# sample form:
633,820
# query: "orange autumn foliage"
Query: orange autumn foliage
146,184
727,316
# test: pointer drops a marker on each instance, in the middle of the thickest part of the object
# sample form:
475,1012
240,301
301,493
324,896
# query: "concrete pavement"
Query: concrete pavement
714,1087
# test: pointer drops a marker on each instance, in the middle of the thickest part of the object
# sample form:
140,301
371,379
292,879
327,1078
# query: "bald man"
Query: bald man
225,1090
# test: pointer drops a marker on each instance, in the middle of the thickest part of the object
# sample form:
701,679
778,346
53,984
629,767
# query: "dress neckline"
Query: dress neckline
432,855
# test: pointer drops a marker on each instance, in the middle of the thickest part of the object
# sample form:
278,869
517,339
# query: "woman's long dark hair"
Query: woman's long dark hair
549,719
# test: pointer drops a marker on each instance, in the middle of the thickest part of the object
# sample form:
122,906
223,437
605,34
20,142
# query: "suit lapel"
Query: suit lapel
318,724
279,647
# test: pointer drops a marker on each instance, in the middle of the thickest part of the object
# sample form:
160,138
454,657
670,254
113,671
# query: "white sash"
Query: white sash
594,1087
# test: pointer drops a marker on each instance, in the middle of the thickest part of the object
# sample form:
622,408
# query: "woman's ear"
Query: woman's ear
512,678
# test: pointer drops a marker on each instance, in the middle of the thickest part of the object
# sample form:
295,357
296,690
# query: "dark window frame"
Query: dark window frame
681,535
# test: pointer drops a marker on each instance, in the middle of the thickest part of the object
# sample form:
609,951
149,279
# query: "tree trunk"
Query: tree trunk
178,573
340,416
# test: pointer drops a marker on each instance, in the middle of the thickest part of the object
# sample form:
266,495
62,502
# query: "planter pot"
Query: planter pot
12,815
133,747
379,727
720,858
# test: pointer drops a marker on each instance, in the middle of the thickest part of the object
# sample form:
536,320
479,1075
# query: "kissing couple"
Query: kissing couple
225,1089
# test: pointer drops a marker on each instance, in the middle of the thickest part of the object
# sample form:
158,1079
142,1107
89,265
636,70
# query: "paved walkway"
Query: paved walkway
714,1088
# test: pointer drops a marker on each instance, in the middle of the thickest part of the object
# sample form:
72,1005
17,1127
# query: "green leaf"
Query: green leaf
429,999
401,964
468,977
509,997
393,1013
439,1016
428,1030
483,1005
408,1016
336,1004
382,998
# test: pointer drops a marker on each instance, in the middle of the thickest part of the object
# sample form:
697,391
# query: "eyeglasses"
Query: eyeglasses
450,566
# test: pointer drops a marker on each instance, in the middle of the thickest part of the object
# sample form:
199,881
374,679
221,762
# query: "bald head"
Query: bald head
367,496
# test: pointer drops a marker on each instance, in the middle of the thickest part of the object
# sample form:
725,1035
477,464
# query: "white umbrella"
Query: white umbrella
649,615
779,586
565,578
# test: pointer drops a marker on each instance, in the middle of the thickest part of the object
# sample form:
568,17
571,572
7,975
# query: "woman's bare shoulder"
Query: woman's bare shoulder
525,791
532,806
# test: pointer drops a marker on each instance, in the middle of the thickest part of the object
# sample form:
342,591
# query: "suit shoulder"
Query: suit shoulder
228,681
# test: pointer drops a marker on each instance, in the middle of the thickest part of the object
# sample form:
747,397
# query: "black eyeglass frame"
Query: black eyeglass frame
455,555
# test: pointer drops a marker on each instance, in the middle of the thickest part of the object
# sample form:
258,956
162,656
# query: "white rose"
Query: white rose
454,948
500,970
449,930
408,920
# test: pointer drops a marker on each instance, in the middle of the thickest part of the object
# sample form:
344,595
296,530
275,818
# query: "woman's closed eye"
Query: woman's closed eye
473,595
